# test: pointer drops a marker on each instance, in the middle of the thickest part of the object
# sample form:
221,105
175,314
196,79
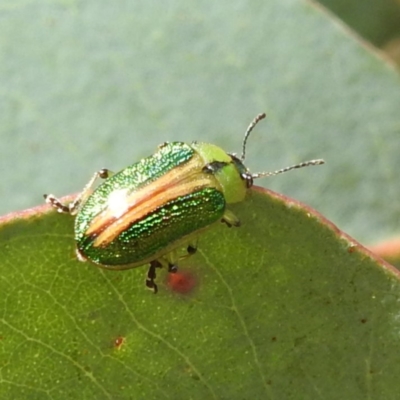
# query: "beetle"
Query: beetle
149,210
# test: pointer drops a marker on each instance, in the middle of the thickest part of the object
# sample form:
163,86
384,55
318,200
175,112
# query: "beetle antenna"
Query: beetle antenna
281,171
253,123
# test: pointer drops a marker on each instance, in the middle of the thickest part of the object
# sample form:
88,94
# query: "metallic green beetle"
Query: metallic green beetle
149,210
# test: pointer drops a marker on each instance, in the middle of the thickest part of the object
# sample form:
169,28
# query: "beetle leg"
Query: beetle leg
230,219
172,268
87,190
151,275
170,261
162,145
173,258
73,207
191,249
55,203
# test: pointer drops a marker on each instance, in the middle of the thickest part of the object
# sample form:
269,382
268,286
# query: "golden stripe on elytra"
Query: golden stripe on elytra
139,196
137,213
177,182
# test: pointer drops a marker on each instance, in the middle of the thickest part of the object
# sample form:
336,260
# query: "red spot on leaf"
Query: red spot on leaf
182,282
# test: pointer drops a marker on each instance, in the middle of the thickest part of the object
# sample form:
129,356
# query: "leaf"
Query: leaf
286,306
282,307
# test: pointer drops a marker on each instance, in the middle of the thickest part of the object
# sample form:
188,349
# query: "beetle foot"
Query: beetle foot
151,276
191,249
230,219
172,268
55,203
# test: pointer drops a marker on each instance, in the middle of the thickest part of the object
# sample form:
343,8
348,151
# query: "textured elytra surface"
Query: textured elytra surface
158,201
131,179
283,307
168,223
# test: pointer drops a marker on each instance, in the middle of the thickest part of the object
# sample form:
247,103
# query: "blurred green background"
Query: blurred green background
89,84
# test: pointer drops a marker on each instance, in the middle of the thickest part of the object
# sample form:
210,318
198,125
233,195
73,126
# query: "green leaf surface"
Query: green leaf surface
89,84
375,20
284,307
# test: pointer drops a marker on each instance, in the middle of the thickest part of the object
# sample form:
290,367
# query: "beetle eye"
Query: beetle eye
248,178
